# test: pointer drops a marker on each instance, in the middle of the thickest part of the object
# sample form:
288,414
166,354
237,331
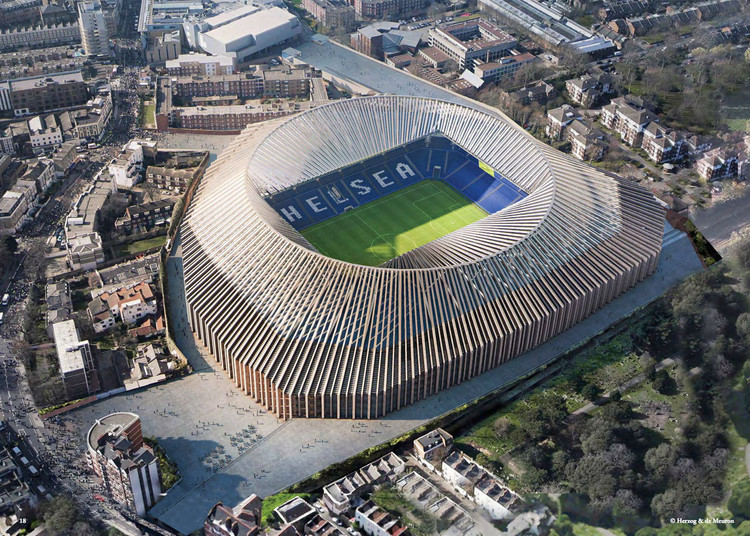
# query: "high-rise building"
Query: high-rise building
94,33
128,468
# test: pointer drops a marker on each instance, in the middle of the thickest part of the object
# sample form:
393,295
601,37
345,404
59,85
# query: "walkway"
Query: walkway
301,447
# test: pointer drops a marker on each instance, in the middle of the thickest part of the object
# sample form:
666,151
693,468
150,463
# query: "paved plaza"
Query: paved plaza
228,447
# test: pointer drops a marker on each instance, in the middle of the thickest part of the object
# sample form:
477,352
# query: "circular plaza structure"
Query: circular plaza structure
308,333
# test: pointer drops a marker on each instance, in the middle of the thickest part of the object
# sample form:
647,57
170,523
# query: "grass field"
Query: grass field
381,230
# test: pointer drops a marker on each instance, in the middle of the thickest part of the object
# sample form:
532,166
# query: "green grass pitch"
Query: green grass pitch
392,225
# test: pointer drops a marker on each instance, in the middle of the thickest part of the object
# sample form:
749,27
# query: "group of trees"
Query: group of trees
688,93
610,468
62,518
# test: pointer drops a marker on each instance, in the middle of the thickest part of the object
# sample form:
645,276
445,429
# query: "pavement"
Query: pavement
227,446
347,64
296,449
719,221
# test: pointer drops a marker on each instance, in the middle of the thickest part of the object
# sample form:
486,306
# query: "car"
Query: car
337,521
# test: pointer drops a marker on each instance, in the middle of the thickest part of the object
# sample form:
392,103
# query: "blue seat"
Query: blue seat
420,158
480,186
456,159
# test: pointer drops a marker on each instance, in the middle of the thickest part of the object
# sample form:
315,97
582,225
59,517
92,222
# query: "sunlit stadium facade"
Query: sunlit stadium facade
307,335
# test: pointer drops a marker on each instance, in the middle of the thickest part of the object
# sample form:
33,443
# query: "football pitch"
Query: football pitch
392,225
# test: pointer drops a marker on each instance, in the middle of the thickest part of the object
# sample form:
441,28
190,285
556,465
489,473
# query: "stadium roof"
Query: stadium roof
251,24
312,336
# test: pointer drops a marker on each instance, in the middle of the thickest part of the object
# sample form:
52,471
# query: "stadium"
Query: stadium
371,252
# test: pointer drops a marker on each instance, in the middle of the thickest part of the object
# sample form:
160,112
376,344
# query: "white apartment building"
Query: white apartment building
48,36
128,468
44,133
76,362
200,65
94,33
126,169
128,303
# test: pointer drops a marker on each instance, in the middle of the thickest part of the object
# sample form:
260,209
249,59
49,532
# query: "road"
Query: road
719,221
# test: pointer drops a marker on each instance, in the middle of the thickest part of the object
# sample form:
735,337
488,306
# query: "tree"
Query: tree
59,514
739,502
743,324
591,392
664,383
563,525
659,460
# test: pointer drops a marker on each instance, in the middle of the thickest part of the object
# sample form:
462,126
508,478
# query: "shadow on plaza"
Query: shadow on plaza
194,461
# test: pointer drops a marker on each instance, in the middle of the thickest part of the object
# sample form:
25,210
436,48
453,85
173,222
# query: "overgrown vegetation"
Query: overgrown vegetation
170,474
670,447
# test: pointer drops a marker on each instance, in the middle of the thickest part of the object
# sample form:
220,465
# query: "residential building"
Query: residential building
506,67
76,362
253,32
279,82
628,8
7,142
148,327
565,123
628,116
558,119
64,156
128,468
383,9
662,144
383,39
42,173
427,497
233,118
539,93
163,47
84,216
468,43
494,498
94,32
377,522
195,64
718,164
433,446
126,169
43,93
85,251
588,90
130,304
338,495
146,216
242,520
91,123
317,526
586,142
173,180
331,13
44,133
26,188
481,486
296,512
13,207
59,305
150,365
40,36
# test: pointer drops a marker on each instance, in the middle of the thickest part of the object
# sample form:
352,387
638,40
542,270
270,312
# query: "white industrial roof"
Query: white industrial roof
230,16
252,24
68,346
